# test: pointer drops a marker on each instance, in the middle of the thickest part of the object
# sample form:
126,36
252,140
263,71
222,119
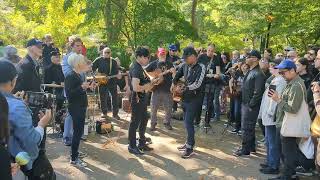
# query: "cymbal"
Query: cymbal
53,85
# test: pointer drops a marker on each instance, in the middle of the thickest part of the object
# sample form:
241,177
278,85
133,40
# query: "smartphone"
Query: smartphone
273,87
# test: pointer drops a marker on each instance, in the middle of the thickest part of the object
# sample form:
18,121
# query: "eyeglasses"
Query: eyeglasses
312,54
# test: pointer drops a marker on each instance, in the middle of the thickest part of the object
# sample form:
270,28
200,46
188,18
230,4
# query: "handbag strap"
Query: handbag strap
304,98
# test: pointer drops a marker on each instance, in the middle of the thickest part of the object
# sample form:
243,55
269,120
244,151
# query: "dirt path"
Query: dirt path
213,159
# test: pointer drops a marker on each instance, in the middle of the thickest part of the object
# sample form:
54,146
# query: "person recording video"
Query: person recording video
23,136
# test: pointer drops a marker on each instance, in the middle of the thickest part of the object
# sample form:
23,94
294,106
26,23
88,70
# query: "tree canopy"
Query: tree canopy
230,24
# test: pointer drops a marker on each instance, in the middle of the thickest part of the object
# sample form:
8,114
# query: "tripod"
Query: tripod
206,125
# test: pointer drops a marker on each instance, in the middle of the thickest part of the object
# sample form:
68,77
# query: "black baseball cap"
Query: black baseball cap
34,42
189,51
7,70
255,53
55,53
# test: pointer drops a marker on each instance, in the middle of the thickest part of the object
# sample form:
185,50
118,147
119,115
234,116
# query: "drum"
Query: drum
178,90
126,106
39,99
100,79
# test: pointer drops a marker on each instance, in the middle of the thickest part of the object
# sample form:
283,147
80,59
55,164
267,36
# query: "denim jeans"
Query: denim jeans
235,111
189,113
68,128
273,148
78,115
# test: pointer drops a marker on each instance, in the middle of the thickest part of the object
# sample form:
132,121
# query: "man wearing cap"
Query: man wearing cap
11,54
172,54
54,75
193,73
289,101
161,94
23,136
252,92
29,77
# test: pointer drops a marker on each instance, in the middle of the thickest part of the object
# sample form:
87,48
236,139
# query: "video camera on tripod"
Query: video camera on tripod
39,100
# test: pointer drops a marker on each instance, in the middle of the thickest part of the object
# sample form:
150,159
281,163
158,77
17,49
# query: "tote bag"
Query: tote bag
297,125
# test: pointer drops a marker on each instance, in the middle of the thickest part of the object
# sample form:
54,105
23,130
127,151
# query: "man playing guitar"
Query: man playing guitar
161,94
108,66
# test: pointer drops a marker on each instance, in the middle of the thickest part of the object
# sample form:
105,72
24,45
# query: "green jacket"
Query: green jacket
291,99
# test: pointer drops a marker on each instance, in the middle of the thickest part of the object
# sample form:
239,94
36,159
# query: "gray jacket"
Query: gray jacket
268,106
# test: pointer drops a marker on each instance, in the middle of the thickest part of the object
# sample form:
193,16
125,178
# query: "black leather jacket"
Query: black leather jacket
253,87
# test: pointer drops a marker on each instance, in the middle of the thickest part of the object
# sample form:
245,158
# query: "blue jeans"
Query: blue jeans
68,129
189,113
273,147
235,111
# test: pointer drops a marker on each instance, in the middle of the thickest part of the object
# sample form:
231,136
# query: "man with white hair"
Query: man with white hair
11,54
292,55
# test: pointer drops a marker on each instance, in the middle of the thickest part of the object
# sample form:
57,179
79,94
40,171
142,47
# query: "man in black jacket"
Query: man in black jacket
193,73
252,92
48,47
29,77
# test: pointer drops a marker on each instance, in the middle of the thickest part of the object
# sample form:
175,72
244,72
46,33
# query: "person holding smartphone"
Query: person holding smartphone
267,114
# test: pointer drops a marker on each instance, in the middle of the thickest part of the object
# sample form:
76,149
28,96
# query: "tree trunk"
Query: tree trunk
193,14
108,21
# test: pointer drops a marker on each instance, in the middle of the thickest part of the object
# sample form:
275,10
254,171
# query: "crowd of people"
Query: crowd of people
279,93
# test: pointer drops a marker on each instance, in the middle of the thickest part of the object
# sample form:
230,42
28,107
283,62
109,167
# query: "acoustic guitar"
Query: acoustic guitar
103,79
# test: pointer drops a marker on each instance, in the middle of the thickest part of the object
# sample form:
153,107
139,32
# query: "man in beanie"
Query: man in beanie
172,54
252,92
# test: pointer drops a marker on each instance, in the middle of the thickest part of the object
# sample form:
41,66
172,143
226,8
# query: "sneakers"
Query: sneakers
269,170
234,131
303,172
264,165
145,148
241,152
67,142
182,148
168,126
294,177
82,154
135,150
78,162
187,153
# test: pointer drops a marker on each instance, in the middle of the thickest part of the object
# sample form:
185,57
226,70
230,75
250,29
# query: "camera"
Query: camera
39,100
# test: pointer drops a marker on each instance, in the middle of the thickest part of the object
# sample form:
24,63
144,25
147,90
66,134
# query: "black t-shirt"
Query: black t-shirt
136,71
54,74
103,66
167,78
211,63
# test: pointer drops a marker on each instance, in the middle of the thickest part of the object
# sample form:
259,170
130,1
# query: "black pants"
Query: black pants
36,119
78,115
290,152
139,119
104,98
262,127
248,124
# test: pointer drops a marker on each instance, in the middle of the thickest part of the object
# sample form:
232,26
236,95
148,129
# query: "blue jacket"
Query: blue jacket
23,136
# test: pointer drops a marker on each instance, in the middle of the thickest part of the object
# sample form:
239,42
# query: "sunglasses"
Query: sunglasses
311,53
283,72
108,52
173,50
